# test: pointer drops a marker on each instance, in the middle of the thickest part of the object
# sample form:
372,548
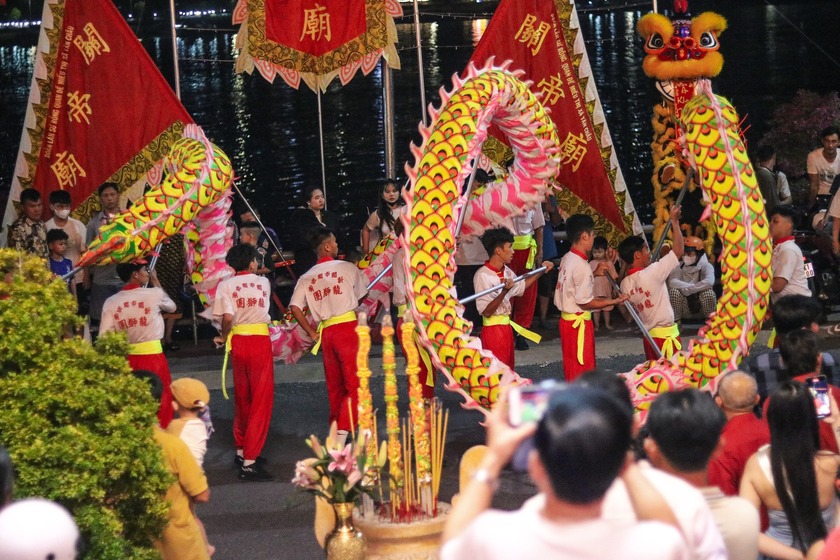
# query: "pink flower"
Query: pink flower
343,461
305,475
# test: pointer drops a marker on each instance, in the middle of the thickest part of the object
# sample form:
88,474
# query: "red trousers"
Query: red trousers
649,353
572,368
253,388
339,346
499,340
524,305
425,373
157,364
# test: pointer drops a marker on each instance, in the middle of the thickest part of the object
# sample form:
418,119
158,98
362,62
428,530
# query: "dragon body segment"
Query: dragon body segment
435,200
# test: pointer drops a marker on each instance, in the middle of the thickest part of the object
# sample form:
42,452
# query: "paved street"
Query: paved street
272,520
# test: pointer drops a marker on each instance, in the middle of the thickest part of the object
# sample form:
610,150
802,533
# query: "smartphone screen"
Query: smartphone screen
529,403
819,390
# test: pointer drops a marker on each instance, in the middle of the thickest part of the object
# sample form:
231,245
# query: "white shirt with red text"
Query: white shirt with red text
246,297
648,293
330,288
137,312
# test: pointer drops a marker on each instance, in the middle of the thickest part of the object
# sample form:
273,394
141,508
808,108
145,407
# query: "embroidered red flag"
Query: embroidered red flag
99,109
542,38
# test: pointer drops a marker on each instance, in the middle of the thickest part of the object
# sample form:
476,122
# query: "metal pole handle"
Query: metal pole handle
474,297
636,318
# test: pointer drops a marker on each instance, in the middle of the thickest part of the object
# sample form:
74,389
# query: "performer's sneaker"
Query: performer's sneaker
254,473
239,460
520,343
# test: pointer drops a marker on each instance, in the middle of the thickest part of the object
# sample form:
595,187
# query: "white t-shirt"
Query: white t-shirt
649,294
485,277
330,288
137,312
575,283
194,434
76,232
525,534
527,223
688,504
817,165
470,252
787,263
246,297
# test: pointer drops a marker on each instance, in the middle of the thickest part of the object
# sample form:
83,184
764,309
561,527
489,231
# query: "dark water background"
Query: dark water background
270,131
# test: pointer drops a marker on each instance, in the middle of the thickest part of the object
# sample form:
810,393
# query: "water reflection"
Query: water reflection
271,130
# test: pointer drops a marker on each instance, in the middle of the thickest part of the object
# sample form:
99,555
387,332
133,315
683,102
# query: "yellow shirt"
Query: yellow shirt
182,538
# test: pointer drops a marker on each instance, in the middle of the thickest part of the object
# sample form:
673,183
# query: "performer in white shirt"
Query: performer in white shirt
645,286
332,290
495,308
241,305
137,310
787,262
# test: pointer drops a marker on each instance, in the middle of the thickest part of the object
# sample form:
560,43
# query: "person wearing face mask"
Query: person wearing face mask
60,206
691,284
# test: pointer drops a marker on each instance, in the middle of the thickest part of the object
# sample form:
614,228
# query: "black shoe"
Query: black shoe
239,460
520,343
172,347
254,473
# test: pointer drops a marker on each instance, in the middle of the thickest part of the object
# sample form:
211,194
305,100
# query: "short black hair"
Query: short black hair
155,384
800,350
60,197
582,442
600,243
794,312
686,426
765,153
627,248
125,270
495,237
786,211
828,131
29,195
107,185
609,382
317,236
577,225
240,257
56,234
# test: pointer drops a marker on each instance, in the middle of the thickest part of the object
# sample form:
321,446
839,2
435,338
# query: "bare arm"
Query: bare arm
497,301
599,303
531,279
678,247
203,497
297,313
365,240
538,237
778,284
766,545
813,187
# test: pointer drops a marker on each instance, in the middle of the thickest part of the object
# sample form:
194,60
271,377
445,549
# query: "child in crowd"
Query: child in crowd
648,292
332,290
495,308
603,287
241,306
59,264
190,398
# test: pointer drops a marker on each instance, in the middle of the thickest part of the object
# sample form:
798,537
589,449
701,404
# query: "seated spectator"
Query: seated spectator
581,446
38,529
800,501
743,433
790,313
685,428
786,262
691,284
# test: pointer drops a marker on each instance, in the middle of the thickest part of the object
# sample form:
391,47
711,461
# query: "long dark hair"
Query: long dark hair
794,441
382,208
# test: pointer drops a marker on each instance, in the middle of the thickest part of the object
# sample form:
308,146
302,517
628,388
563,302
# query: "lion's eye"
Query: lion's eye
655,41
708,40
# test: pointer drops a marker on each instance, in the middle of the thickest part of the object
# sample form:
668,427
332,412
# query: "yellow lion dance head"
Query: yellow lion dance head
682,48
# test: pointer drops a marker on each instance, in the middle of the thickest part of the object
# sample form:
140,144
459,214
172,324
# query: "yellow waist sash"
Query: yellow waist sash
337,320
671,337
578,323
145,348
249,329
519,329
521,242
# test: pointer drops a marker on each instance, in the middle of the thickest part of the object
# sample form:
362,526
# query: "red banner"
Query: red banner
531,34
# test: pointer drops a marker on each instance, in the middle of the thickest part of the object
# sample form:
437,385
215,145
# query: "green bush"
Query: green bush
77,424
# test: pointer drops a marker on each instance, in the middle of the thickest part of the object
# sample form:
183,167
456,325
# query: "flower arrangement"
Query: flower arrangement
339,474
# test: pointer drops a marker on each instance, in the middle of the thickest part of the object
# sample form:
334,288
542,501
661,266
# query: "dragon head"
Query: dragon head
682,48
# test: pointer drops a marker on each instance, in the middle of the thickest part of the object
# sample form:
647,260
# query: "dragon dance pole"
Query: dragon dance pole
420,62
321,138
175,49
502,285
636,318
667,230
463,213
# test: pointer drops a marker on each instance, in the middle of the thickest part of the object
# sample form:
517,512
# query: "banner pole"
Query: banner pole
420,63
321,138
388,98
175,50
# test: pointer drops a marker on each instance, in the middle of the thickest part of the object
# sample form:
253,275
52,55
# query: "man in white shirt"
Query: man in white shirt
685,428
786,262
580,448
823,165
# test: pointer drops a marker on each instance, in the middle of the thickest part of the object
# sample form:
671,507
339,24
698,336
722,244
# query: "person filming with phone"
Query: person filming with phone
580,447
